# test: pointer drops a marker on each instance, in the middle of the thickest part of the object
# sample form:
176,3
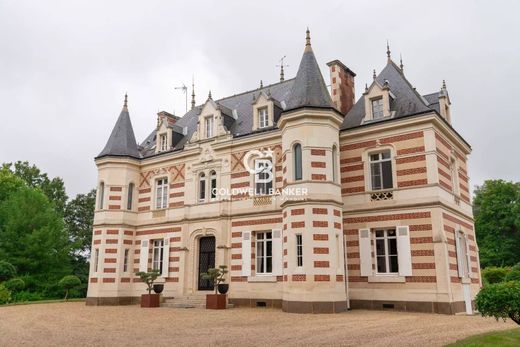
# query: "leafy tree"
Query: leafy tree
54,188
7,270
15,285
69,282
497,222
148,278
215,276
33,238
501,300
493,274
514,274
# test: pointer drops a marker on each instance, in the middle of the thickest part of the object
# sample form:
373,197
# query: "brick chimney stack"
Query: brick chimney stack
342,86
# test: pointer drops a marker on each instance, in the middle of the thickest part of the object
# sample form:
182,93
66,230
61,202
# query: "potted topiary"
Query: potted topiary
216,276
149,300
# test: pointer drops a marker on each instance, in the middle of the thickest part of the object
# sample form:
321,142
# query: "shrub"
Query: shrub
15,284
148,278
493,274
514,274
28,296
500,300
5,295
69,282
7,271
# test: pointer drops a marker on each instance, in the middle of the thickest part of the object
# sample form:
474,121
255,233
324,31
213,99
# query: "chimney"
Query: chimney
342,86
171,118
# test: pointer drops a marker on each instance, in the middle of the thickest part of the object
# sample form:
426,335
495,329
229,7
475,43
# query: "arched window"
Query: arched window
101,193
202,187
213,185
334,164
130,197
297,162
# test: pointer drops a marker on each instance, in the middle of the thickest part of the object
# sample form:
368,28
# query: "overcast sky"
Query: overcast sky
65,66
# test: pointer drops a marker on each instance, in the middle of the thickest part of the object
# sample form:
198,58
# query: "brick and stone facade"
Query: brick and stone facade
323,251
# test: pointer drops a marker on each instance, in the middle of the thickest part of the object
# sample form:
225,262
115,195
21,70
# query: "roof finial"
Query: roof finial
192,92
282,76
209,95
366,88
308,37
125,105
261,84
444,84
374,74
388,50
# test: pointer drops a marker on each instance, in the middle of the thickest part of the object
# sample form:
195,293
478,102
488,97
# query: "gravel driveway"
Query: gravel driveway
74,324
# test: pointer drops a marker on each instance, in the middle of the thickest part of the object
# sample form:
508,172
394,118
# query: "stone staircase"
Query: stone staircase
187,301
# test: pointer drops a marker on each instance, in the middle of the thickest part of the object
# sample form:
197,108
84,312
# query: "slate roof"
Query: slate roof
122,139
406,102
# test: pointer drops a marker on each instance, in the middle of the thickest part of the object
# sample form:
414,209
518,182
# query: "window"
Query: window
386,251
297,162
130,197
334,164
299,250
125,260
213,185
163,142
202,187
161,193
96,260
264,252
157,255
381,170
455,177
463,261
263,120
208,125
101,195
377,108
264,176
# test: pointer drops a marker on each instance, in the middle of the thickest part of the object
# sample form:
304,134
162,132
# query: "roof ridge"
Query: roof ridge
256,89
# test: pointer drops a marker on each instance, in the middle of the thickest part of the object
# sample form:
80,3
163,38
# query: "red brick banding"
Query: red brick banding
320,237
297,211
351,168
93,280
350,179
412,159
321,250
423,279
352,190
116,189
318,164
318,152
350,160
114,197
114,207
404,137
320,264
322,278
318,177
257,222
414,171
358,145
423,265
390,217
110,260
412,183
109,270
337,225
158,231
296,225
109,280
299,278
111,250
410,150
319,210
97,232
422,253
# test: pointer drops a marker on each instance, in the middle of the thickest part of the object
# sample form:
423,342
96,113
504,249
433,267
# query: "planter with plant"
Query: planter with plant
150,300
216,276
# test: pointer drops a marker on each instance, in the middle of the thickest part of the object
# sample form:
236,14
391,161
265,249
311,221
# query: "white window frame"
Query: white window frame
387,256
126,257
130,197
335,164
266,187
161,193
201,182
212,182
377,106
297,162
264,241
209,126
299,250
263,117
157,254
101,199
163,142
455,176
380,162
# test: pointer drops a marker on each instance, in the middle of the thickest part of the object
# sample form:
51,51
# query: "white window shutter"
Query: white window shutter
166,257
143,256
404,252
277,252
468,256
365,252
460,264
246,253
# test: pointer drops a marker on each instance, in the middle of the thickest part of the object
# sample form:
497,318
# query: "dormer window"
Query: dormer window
377,108
208,127
163,142
263,119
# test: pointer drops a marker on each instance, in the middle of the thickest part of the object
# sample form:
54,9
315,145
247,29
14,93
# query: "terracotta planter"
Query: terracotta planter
150,300
216,301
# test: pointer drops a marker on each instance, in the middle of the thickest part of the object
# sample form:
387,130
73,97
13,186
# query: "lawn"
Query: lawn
73,323
503,338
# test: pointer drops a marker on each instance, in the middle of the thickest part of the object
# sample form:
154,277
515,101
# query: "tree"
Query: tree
33,237
69,282
7,271
497,222
514,274
501,300
215,276
54,188
148,278
79,216
493,274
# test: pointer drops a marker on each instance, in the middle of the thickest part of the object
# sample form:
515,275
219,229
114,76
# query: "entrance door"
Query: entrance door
206,260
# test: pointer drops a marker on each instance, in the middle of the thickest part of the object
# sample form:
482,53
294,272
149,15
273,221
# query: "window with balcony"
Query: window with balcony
264,252
386,251
161,193
381,176
157,255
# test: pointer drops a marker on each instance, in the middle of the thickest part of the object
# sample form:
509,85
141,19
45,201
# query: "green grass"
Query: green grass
503,338
41,302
